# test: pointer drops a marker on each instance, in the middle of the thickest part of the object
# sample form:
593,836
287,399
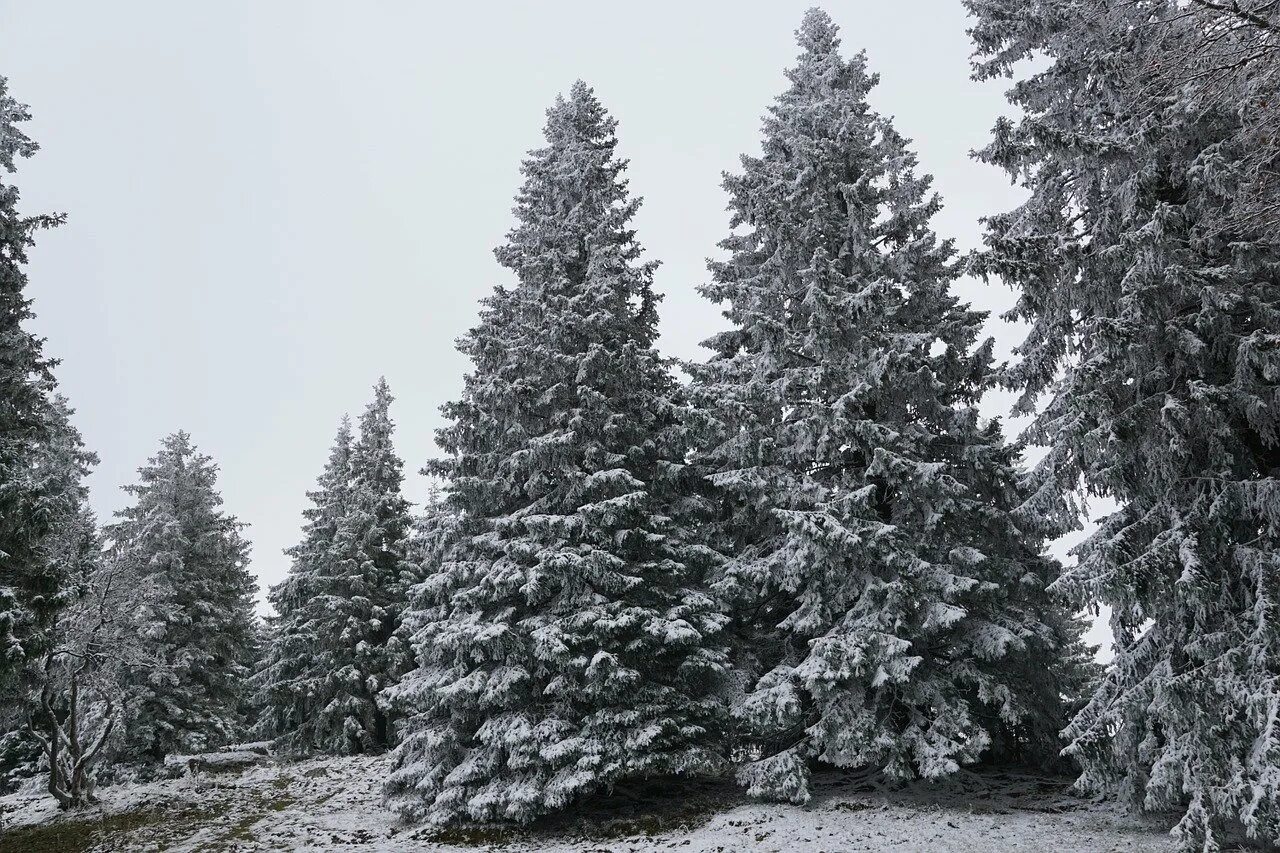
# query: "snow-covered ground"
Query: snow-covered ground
334,804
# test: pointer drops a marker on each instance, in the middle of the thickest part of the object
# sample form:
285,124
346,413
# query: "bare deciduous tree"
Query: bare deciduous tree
82,681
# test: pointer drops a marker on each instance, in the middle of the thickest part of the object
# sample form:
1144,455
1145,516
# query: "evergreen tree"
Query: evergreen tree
1151,286
292,680
29,504
73,547
435,532
261,722
198,614
336,643
563,638
376,534
891,601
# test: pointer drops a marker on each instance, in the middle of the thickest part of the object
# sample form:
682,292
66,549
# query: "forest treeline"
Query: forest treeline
811,550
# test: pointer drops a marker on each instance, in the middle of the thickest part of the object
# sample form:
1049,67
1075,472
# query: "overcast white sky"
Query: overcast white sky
272,204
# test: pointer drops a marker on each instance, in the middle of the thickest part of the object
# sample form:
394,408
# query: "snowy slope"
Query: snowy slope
334,804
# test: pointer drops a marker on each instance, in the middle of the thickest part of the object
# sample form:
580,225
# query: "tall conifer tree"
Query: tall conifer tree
295,670
372,542
29,503
891,602
564,642
1150,279
46,532
336,645
198,615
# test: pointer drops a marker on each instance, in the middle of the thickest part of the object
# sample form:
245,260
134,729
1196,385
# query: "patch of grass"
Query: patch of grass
281,803
78,834
240,830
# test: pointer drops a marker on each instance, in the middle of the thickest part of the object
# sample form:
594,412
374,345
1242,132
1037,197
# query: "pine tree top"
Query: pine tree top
343,440
580,289
13,142
832,221
179,484
374,463
821,70
26,373
572,239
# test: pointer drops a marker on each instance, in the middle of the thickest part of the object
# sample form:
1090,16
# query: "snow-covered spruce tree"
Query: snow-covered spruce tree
29,583
436,531
564,641
335,645
292,679
433,532
260,725
198,614
890,603
375,536
1152,365
73,546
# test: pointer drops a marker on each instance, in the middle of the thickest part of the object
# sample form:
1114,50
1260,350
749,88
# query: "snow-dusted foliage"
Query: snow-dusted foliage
84,676
334,644
29,505
1212,54
375,537
891,605
42,695
72,548
563,640
1152,365
293,674
197,614
48,539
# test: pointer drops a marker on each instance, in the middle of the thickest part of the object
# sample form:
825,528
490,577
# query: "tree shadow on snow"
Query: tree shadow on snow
638,808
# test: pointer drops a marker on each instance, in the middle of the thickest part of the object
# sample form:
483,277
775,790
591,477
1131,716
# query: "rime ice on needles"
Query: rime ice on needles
563,640
891,608
1151,282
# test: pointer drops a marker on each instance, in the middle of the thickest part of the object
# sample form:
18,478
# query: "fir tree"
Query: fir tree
73,546
375,533
563,639
891,604
336,644
29,505
292,680
1151,286
198,613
